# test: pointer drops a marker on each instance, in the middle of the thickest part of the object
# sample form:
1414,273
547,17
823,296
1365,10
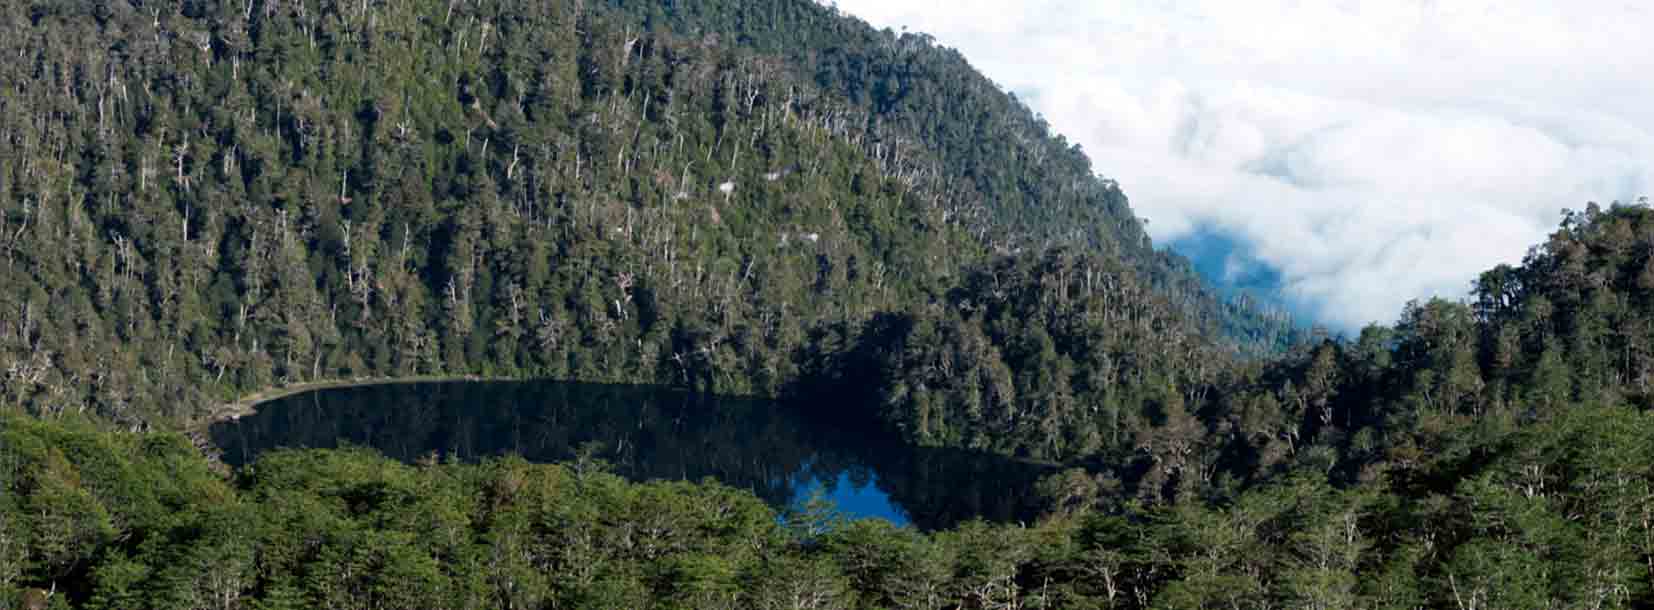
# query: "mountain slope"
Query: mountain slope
974,145
205,200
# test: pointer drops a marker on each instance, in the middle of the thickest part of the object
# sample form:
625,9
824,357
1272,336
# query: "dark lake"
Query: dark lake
647,433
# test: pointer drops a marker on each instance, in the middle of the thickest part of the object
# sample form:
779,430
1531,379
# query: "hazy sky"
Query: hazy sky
1370,152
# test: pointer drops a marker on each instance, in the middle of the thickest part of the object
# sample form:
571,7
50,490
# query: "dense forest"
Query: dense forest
1552,515
203,199
206,199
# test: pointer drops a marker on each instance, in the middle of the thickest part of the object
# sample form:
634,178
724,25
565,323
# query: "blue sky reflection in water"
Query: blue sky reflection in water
854,497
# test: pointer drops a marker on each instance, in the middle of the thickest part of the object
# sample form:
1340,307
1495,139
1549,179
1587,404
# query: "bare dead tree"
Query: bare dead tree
178,154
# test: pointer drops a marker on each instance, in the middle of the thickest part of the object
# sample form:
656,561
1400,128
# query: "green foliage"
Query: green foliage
1551,514
748,197
1055,358
206,200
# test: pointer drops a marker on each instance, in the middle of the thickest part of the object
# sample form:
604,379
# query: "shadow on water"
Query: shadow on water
647,433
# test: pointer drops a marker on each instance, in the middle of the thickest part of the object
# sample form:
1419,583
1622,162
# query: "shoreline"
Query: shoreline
248,404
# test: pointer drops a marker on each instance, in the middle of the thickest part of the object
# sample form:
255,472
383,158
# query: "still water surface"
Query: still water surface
645,433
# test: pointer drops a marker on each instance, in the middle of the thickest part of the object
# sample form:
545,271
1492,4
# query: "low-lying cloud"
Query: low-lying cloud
1368,152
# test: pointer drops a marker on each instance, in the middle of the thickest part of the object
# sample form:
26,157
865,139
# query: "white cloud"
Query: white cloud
1371,151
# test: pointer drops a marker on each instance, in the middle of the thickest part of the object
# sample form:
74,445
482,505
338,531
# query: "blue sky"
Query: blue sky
1363,153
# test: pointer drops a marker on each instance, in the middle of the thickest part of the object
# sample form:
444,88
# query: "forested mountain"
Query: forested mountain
1421,466
209,198
204,199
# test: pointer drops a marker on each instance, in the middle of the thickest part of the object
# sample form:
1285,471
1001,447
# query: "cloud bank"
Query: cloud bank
1367,153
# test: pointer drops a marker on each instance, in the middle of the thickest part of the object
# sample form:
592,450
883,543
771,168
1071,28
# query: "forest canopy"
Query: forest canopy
206,199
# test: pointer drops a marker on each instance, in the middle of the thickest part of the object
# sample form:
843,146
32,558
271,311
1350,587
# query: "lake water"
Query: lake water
647,433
